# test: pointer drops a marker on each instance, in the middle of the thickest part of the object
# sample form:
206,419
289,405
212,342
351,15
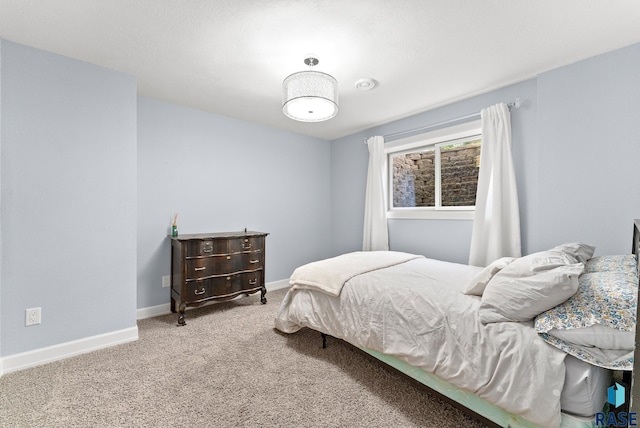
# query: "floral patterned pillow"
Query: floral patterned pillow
603,298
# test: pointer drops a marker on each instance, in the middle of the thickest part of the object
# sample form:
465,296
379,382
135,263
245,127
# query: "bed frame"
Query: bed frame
491,414
635,384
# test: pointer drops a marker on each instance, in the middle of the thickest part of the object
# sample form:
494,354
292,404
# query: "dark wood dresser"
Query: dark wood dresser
215,267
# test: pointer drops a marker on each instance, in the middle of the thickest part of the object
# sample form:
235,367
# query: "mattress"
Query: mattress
416,312
585,385
585,388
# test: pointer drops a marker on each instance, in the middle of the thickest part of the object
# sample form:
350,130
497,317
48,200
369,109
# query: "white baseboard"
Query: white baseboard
153,311
36,357
165,308
277,285
24,360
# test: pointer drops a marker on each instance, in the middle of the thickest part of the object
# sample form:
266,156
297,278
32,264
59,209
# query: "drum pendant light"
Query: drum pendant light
310,96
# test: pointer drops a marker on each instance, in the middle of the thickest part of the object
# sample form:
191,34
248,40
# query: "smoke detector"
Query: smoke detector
365,84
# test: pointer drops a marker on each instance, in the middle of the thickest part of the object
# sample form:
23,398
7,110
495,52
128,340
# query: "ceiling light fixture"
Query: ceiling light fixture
310,96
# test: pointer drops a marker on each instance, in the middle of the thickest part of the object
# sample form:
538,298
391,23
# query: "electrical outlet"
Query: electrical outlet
33,317
166,281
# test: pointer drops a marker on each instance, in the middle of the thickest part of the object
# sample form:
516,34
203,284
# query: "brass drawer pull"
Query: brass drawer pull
254,261
246,244
228,257
201,292
200,268
253,282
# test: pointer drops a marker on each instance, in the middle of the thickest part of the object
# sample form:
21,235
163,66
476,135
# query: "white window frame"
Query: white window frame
429,141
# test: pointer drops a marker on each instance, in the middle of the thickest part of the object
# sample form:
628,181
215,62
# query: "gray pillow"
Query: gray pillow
580,251
529,286
479,282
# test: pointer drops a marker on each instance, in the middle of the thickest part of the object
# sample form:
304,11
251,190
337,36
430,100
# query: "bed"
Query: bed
532,341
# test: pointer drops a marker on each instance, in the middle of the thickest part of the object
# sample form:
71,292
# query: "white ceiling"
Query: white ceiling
230,56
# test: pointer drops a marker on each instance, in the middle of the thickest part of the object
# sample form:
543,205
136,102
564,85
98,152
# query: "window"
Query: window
434,175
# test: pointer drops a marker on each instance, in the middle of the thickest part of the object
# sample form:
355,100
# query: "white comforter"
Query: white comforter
415,311
330,275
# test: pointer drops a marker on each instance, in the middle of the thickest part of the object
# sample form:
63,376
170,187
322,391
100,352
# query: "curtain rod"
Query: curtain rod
396,135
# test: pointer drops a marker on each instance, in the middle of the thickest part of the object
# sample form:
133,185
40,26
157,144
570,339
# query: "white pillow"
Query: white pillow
540,261
530,285
479,282
580,251
599,336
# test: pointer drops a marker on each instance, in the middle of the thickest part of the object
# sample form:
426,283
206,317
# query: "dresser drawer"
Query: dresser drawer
219,265
197,291
250,280
206,266
224,286
203,248
248,261
247,243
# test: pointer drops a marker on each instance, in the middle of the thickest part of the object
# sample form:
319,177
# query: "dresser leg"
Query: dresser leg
263,293
181,320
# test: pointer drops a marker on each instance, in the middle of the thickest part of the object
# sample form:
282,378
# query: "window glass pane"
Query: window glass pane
414,179
459,166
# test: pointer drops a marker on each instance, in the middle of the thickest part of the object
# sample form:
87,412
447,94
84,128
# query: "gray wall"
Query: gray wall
575,147
88,192
589,121
222,174
443,239
1,364
68,198
85,208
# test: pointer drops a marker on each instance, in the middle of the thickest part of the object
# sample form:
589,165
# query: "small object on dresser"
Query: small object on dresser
174,226
216,267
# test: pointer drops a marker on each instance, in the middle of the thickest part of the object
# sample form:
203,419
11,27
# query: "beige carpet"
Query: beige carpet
227,368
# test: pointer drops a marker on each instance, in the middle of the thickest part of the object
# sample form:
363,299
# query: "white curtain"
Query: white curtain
375,235
496,224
